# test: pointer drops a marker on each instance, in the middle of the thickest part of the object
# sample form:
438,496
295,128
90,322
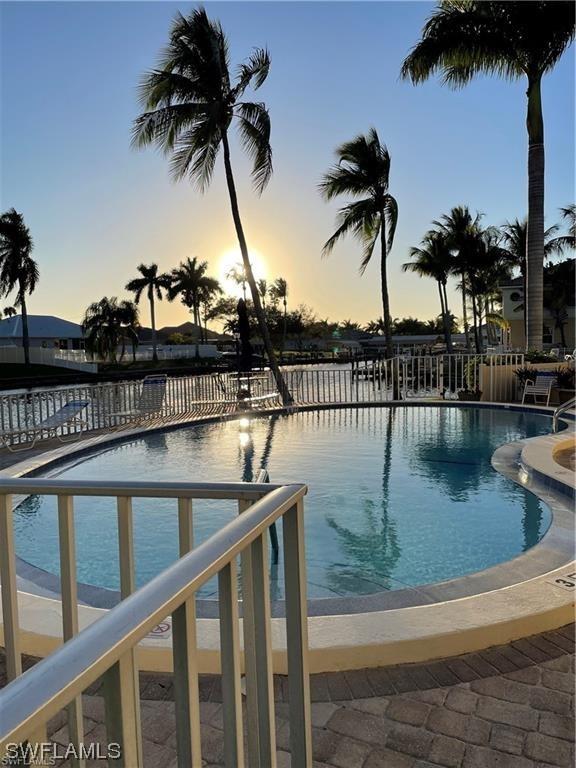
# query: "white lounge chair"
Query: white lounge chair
50,426
541,387
149,404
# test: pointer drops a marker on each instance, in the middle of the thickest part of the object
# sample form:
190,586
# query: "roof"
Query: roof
513,283
40,327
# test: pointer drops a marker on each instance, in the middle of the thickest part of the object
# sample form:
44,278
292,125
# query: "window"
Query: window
516,296
546,335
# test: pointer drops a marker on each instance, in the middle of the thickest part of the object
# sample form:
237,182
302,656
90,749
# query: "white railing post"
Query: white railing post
69,592
122,699
297,636
184,648
9,591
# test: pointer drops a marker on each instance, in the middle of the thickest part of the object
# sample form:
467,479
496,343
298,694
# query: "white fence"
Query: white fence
449,376
59,358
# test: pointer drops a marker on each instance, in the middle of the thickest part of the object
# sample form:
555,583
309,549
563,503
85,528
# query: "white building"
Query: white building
45,331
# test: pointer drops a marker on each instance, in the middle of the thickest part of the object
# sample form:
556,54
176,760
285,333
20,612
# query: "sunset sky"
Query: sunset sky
97,208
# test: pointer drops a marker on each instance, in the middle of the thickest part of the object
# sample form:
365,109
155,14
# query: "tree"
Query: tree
375,327
128,318
102,327
279,292
460,229
363,171
189,282
464,38
559,293
434,259
514,241
568,241
209,291
191,103
263,290
10,311
237,274
18,270
153,283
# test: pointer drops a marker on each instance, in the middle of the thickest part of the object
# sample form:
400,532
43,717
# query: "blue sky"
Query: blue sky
97,208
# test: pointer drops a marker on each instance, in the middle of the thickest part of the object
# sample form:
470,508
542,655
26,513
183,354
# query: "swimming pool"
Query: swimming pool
398,496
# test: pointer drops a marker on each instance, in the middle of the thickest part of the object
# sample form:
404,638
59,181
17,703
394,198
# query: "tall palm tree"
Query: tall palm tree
102,327
434,259
363,171
279,292
18,270
188,281
460,229
191,103
463,38
129,320
210,290
153,283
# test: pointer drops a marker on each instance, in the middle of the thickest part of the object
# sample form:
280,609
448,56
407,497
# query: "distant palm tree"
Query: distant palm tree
434,259
375,326
18,270
460,229
263,290
210,290
568,241
10,311
190,104
559,294
102,327
129,319
363,171
513,40
237,274
188,281
279,292
153,284
514,241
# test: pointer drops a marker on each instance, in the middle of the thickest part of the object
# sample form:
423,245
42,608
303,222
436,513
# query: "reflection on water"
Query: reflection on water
396,497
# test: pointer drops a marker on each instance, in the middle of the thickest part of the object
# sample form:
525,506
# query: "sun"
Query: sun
233,258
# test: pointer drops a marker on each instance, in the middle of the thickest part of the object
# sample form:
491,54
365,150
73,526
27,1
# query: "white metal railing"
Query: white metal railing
562,408
107,647
377,380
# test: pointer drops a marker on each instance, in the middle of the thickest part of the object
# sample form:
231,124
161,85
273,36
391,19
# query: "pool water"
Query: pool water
397,496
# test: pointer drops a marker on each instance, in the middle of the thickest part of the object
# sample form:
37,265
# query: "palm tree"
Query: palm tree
279,292
460,229
153,283
375,327
559,294
513,40
102,327
209,291
237,274
263,290
515,238
10,311
129,320
363,171
434,259
191,103
18,270
567,242
188,282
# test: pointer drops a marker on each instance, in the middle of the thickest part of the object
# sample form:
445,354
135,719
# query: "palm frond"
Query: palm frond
254,130
254,71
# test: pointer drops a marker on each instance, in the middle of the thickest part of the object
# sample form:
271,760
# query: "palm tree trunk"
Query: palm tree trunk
384,287
447,339
25,334
475,323
465,314
534,298
280,383
284,326
447,321
153,321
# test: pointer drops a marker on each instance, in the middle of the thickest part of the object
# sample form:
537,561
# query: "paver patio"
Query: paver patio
507,707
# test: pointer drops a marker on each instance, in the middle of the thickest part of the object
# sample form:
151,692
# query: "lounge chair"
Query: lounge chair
50,426
149,404
541,387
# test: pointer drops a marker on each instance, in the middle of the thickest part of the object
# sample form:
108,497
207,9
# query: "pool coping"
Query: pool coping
532,574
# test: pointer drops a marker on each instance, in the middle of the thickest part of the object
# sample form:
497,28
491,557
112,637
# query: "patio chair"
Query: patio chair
541,387
149,403
69,413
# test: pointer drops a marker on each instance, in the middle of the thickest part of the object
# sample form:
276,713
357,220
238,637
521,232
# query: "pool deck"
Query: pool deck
510,706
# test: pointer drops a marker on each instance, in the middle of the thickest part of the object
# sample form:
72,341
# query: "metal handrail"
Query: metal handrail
560,410
54,682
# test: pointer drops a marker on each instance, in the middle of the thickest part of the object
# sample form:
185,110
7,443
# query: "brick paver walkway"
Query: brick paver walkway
474,716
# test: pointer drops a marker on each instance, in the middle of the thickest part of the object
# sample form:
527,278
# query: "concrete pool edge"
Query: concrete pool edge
374,638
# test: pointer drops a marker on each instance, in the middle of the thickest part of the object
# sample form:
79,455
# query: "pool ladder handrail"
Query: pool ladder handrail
562,408
264,477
